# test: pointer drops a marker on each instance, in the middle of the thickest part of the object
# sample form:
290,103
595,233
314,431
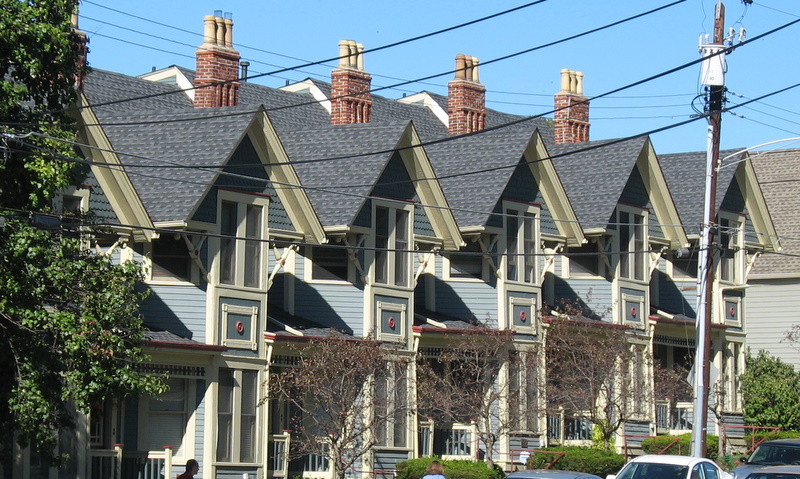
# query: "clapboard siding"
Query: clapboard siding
180,309
771,310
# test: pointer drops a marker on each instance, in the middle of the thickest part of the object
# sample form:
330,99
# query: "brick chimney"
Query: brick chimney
79,44
466,98
571,118
217,65
350,86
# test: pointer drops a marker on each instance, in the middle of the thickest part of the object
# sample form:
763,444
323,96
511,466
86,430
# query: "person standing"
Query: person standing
192,467
435,470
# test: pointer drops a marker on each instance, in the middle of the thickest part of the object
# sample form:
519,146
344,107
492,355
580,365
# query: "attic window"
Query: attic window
329,264
468,263
171,258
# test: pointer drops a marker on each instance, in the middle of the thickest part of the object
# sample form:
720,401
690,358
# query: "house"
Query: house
265,217
745,232
773,280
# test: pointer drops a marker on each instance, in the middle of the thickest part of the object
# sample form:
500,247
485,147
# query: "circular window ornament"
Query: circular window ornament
392,322
633,311
732,312
239,327
522,316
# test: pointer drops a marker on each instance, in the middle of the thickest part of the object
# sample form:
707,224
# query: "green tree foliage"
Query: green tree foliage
40,58
770,392
70,334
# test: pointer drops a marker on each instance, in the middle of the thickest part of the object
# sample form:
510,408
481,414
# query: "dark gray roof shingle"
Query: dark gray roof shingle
594,174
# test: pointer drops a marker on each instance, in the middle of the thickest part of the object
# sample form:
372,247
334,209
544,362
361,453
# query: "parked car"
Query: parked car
654,466
777,452
550,474
775,472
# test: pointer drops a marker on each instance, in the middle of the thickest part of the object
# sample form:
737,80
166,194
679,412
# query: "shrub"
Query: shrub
683,447
589,460
462,469
758,437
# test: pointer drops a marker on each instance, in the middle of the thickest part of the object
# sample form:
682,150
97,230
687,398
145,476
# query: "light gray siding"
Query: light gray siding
771,310
180,309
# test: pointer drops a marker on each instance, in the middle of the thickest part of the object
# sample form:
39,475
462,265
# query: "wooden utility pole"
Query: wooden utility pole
713,78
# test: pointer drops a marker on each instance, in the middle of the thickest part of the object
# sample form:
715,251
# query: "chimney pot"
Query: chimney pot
350,86
217,71
466,99
571,116
461,67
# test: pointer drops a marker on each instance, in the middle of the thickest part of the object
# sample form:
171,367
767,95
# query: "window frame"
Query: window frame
519,257
447,269
632,263
310,262
252,311
388,255
731,248
533,323
236,414
396,380
400,310
243,240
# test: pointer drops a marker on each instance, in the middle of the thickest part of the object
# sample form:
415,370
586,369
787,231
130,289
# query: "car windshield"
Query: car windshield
648,470
774,454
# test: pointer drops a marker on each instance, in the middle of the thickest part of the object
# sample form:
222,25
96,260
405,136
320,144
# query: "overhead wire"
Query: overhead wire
505,57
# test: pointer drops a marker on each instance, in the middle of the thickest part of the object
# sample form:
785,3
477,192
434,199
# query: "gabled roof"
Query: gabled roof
162,159
595,174
489,159
778,173
685,173
339,166
102,86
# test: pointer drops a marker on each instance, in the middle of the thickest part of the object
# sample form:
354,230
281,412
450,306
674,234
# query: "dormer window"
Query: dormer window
392,242
729,249
242,221
170,257
632,245
521,245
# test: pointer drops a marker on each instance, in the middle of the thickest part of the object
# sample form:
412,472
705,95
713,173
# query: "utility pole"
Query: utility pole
713,78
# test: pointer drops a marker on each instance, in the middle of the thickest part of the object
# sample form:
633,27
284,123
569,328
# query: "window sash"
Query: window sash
227,243
241,245
521,246
237,416
632,246
392,245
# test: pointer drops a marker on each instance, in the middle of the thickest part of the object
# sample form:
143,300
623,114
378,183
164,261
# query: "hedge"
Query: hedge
683,447
461,469
582,459
768,436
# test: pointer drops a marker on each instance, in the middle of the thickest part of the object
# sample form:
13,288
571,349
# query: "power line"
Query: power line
572,37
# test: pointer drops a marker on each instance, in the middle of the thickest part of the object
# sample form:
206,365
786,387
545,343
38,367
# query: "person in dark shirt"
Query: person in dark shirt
191,469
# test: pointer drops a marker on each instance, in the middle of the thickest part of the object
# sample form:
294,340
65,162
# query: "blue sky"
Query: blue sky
274,34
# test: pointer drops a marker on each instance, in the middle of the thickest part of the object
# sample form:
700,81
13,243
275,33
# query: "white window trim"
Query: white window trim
251,311
736,222
533,328
236,414
393,206
74,192
566,271
446,269
641,323
731,299
522,209
308,268
643,214
243,200
398,308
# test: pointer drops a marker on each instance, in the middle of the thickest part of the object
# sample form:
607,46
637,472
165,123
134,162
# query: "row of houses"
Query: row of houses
265,217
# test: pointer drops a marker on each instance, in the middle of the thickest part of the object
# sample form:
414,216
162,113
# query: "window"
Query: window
468,263
392,240
329,263
523,391
167,417
391,405
521,246
584,261
632,246
170,258
729,247
242,227
236,415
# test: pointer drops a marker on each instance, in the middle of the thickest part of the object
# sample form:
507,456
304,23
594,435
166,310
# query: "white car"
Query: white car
665,466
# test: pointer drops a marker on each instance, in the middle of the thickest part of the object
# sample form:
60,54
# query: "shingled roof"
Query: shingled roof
778,174
685,173
594,174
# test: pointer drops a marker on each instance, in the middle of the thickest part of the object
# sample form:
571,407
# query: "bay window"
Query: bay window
521,246
236,415
242,229
392,244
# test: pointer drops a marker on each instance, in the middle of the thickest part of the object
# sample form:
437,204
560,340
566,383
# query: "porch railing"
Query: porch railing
120,464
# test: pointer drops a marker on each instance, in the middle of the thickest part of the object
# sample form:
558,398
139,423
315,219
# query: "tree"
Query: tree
770,392
70,334
345,397
465,383
595,374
